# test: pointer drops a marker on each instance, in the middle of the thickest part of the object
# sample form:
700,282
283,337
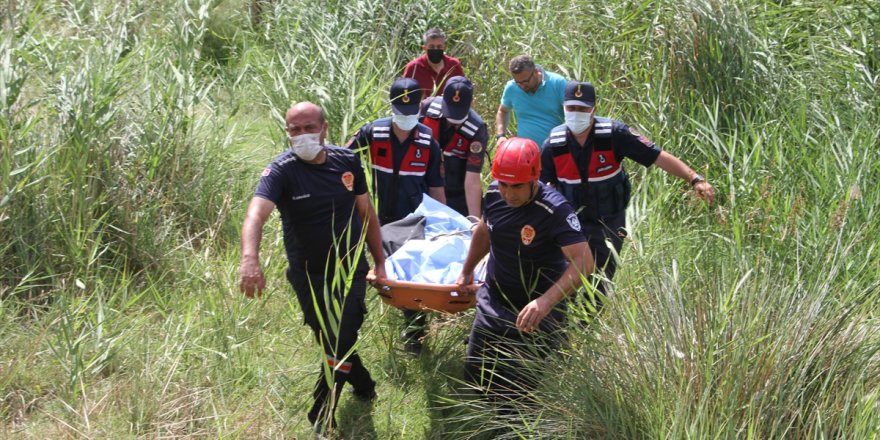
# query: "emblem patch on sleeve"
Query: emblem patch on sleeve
476,147
573,221
266,171
640,137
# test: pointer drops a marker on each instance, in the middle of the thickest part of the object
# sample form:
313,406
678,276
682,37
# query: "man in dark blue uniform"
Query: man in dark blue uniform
583,159
462,135
537,255
403,155
406,163
321,193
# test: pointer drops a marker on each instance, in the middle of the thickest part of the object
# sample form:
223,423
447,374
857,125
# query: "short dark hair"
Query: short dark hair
521,63
432,34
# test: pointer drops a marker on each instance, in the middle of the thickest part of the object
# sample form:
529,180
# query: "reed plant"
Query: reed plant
132,135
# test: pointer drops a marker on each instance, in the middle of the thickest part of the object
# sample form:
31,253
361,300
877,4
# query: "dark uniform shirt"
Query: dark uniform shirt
402,171
525,255
464,148
317,205
607,189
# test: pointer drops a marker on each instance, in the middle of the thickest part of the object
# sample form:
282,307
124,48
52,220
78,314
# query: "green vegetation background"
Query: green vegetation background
132,135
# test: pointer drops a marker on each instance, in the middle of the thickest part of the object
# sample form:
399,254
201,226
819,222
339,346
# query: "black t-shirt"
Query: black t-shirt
525,254
317,204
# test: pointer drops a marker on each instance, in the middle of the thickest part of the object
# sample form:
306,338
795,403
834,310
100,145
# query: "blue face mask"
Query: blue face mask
405,122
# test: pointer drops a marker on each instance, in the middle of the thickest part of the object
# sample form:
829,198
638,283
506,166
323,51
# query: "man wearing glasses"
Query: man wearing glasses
536,97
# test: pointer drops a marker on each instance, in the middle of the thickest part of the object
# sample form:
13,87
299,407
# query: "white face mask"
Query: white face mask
306,146
405,122
577,122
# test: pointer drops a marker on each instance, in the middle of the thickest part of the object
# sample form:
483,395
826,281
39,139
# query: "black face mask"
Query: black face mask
435,55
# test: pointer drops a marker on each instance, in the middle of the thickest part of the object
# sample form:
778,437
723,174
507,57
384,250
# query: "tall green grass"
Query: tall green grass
132,135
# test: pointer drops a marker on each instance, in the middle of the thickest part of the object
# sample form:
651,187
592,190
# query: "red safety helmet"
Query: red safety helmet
517,160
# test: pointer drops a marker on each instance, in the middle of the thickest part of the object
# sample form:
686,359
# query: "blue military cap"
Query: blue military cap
457,97
580,93
405,95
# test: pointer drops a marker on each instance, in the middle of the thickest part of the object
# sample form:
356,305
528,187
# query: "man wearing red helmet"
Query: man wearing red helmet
537,255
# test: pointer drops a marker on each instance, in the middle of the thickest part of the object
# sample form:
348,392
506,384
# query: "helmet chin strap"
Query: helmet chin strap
533,190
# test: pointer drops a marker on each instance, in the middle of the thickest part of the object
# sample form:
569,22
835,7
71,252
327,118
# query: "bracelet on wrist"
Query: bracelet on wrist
697,179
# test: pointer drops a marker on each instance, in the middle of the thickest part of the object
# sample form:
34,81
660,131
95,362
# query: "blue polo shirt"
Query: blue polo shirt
525,252
320,222
536,113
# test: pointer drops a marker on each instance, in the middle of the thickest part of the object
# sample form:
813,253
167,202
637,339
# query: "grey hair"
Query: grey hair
521,63
432,34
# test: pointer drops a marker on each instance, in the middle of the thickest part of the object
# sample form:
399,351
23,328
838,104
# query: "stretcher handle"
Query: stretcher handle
388,284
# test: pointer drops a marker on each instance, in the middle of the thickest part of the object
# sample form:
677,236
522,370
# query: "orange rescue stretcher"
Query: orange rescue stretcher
425,297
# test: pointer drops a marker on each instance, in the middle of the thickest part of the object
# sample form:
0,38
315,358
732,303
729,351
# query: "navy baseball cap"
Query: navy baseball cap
580,93
406,94
457,97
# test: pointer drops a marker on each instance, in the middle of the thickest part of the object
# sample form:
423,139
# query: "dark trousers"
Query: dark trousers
502,363
456,200
342,363
612,228
414,325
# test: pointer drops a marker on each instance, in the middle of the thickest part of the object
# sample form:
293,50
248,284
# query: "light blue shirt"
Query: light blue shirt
536,113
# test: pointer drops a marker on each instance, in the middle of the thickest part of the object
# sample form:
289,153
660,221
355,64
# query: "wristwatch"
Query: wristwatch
697,179
499,136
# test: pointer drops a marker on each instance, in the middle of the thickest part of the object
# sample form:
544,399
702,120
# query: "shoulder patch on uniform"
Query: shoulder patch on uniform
573,221
476,147
266,171
640,136
527,234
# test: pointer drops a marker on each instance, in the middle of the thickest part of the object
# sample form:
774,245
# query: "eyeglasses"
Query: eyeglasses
527,80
